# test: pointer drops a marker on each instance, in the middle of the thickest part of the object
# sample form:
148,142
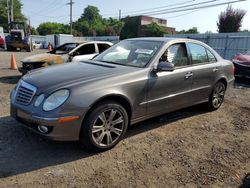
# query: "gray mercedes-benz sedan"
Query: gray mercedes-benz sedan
136,79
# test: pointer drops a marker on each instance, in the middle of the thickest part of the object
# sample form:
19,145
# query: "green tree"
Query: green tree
91,14
130,28
155,30
47,28
245,30
230,20
192,30
81,27
91,23
33,31
18,16
113,26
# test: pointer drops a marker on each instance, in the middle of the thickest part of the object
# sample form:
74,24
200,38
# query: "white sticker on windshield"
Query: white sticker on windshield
144,51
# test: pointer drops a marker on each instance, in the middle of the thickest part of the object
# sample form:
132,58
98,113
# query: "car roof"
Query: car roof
164,39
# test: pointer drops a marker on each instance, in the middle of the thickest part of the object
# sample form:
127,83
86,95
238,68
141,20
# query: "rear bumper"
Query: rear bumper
67,131
241,71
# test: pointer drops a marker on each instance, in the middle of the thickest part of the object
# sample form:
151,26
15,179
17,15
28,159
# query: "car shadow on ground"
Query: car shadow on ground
10,79
23,151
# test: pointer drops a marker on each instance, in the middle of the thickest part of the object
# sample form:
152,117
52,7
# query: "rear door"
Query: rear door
168,91
102,47
206,70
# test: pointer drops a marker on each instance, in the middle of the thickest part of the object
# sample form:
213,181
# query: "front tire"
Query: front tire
104,127
217,96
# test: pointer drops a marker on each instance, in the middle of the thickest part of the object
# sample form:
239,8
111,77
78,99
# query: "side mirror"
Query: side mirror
165,66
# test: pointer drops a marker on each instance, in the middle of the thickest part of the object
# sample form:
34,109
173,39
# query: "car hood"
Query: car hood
46,57
70,74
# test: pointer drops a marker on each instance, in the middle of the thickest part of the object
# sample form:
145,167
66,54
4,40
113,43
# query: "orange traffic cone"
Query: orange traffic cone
13,65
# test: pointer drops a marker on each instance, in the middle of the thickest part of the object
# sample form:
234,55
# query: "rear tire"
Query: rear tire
104,127
217,96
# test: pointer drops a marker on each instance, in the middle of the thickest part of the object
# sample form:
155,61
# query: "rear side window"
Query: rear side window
87,49
176,54
198,53
102,47
211,57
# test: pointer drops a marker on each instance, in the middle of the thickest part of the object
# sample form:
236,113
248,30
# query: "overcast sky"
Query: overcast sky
204,19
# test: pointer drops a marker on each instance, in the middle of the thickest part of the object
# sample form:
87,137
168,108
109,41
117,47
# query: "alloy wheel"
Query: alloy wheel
108,127
218,95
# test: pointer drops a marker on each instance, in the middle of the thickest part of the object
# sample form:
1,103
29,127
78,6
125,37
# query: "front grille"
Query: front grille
25,93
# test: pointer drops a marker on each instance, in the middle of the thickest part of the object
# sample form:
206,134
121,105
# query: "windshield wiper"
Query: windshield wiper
112,62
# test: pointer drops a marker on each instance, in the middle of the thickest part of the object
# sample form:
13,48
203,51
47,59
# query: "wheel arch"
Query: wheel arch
124,101
223,80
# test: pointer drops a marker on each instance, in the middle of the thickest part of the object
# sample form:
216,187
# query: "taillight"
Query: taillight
233,69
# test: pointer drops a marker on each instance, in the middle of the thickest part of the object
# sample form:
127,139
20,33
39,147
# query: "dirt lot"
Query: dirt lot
188,148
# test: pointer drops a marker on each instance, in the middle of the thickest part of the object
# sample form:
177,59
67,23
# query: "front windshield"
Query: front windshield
64,49
136,53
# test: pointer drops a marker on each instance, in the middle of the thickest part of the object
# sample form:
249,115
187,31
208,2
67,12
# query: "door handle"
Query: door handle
215,69
188,75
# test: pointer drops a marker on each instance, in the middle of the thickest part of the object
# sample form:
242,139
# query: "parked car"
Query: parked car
65,53
95,101
242,64
37,45
2,42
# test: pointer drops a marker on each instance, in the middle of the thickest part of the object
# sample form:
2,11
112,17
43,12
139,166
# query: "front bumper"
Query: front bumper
67,131
22,70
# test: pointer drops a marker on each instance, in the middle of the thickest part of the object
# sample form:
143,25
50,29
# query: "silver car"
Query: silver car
136,79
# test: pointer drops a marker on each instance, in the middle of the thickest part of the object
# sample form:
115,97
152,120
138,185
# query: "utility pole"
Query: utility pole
8,11
120,14
70,4
12,13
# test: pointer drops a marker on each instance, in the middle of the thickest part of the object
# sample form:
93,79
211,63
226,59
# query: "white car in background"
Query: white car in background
37,45
88,50
66,53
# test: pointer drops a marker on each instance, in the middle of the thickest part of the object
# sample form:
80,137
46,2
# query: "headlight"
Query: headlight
39,100
55,100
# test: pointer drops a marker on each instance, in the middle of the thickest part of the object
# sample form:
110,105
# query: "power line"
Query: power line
197,8
182,14
190,5
155,8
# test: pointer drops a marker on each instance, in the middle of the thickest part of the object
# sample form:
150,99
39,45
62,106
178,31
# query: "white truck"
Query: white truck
58,39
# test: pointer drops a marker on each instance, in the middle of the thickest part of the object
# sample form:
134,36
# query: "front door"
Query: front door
168,91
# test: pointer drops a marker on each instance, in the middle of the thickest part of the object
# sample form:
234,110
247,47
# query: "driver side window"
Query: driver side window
176,54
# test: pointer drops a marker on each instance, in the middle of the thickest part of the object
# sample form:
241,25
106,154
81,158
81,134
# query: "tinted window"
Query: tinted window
102,47
87,49
176,54
198,53
210,56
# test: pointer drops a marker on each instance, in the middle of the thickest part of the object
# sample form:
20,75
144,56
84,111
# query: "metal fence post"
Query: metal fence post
225,49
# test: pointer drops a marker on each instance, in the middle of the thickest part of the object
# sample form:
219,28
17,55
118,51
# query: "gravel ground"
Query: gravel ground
187,148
